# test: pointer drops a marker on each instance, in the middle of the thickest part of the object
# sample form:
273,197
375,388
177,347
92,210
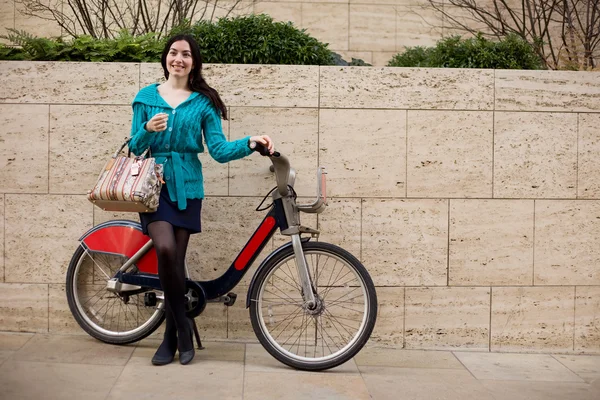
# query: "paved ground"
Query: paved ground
78,367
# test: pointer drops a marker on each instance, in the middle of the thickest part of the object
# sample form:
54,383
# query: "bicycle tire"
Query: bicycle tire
348,346
90,320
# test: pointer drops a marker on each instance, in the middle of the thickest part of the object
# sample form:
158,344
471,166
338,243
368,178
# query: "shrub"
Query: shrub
512,52
255,39
124,48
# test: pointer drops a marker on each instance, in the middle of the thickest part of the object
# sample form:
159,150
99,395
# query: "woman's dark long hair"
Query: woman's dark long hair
196,82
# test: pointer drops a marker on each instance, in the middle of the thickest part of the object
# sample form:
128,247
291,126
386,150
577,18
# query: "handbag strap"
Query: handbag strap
127,140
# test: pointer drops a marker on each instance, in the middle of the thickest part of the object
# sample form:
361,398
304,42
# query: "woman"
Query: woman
171,119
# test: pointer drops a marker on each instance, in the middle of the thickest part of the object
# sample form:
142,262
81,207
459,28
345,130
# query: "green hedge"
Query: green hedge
257,39
512,52
254,39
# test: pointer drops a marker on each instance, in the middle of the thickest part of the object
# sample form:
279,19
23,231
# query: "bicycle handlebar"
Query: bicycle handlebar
286,176
280,163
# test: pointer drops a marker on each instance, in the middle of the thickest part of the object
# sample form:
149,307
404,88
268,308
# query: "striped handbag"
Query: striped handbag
128,183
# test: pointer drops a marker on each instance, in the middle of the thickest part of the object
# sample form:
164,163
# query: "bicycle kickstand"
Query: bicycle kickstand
197,334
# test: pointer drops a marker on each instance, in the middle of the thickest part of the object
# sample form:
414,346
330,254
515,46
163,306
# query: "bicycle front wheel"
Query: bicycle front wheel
324,335
117,318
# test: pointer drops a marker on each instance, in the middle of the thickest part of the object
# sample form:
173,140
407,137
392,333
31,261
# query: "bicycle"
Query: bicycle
114,292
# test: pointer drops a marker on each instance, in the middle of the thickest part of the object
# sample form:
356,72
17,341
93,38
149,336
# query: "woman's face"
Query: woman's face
179,59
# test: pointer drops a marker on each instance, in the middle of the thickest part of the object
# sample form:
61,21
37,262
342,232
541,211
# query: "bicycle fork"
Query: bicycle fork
303,272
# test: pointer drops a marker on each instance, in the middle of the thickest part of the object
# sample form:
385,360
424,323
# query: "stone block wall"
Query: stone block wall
471,196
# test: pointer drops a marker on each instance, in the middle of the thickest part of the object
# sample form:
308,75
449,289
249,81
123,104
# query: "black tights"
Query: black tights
171,244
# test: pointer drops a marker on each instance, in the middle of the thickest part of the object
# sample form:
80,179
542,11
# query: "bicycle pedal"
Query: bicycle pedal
149,299
232,298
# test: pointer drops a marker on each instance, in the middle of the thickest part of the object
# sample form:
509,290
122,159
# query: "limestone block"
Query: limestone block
491,242
238,318
7,18
393,2
381,58
532,318
281,11
587,319
227,225
447,317
214,173
306,1
566,242
588,162
41,233
2,236
405,242
389,328
295,133
372,27
82,140
457,16
24,148
68,82
327,22
60,318
41,27
104,216
255,85
418,88
357,164
535,155
417,26
212,323
560,91
340,224
24,307
153,73
224,9
366,56
450,153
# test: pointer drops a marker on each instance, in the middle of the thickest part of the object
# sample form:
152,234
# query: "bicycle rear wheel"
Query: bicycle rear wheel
111,317
327,335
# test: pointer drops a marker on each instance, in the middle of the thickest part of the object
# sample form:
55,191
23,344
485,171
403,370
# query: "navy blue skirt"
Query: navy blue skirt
168,211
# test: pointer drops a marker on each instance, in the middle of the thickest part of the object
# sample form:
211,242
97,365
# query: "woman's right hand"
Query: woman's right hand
158,123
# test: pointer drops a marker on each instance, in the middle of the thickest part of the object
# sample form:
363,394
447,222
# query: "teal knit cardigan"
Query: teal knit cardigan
178,146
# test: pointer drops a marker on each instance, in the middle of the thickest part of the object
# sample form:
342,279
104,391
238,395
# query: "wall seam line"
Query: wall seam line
404,322
360,254
493,133
533,248
577,163
490,325
4,237
406,157
349,30
448,249
574,312
48,154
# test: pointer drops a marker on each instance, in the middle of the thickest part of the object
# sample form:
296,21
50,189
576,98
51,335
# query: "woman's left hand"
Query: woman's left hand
265,140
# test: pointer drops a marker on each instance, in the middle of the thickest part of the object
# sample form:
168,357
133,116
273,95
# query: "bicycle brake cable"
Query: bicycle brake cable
264,199
295,195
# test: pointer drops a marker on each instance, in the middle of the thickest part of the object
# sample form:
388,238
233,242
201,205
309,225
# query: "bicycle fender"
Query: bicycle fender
121,237
265,261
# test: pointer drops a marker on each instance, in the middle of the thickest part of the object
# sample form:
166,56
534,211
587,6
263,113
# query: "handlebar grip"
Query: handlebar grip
258,147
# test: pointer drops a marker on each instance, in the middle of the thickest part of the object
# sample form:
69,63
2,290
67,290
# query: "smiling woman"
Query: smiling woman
173,119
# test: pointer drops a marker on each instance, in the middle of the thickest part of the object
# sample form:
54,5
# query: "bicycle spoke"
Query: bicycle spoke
102,309
94,261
